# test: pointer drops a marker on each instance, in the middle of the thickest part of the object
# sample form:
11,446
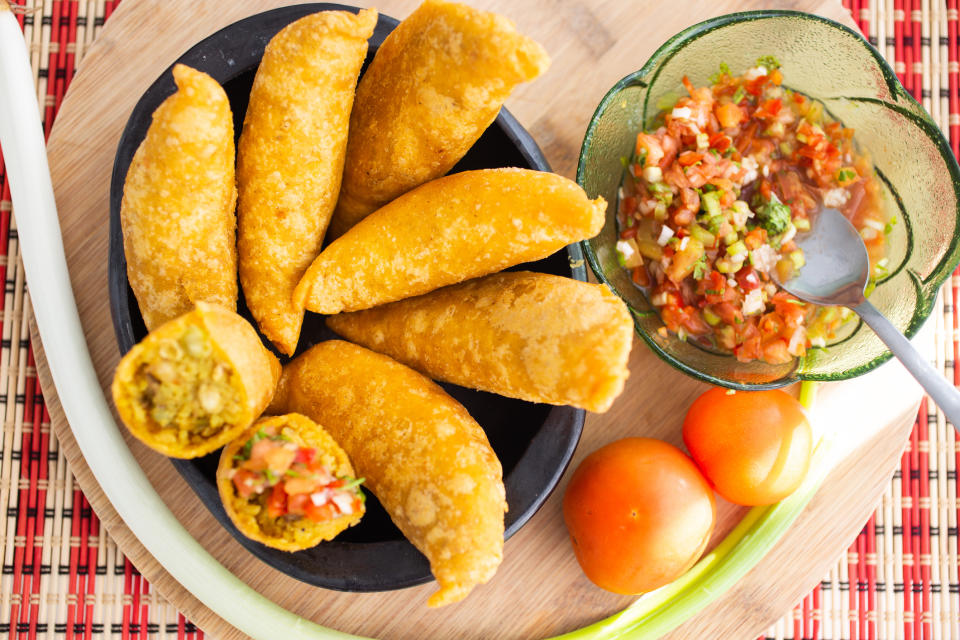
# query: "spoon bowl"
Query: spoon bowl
837,266
836,273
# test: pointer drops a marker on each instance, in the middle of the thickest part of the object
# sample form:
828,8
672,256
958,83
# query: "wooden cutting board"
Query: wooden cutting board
539,590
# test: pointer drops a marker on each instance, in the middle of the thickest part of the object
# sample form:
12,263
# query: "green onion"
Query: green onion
354,482
802,224
271,476
797,258
799,303
730,238
739,95
292,473
888,228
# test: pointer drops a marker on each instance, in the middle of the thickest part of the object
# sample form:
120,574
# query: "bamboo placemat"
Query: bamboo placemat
63,577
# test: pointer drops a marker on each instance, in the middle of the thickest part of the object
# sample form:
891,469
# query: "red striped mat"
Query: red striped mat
63,577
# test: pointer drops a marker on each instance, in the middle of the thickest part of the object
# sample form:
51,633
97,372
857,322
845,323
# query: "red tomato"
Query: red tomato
753,446
639,514
297,503
277,501
322,513
245,482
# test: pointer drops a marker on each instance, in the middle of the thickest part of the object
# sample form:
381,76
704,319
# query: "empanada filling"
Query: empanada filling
287,482
182,391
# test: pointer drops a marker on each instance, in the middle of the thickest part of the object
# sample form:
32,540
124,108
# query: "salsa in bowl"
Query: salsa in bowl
711,203
750,152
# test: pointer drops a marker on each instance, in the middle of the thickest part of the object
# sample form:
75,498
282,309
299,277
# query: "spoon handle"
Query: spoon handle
938,387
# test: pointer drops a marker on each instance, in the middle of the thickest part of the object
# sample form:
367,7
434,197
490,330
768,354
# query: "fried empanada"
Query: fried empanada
179,199
195,383
532,336
449,230
434,86
423,456
287,484
290,159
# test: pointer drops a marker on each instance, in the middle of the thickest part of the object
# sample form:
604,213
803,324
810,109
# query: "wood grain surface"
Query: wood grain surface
539,590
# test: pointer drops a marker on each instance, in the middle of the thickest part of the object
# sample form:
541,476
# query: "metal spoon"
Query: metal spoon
836,273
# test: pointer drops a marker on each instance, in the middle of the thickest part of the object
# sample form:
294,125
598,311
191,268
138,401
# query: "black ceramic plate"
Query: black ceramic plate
533,441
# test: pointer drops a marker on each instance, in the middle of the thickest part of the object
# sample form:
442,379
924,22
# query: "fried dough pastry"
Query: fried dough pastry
274,455
449,230
179,196
194,383
290,159
422,455
434,86
532,336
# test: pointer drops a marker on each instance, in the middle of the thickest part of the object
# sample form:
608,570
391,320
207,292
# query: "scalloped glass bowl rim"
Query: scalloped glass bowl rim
937,277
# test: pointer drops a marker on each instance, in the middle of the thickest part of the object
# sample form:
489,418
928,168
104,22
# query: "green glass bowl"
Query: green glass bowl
831,63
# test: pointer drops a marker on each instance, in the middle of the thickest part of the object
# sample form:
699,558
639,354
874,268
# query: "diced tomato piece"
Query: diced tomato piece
305,455
776,77
297,503
245,482
654,152
770,326
693,322
628,205
729,313
776,352
748,279
688,158
689,86
748,350
755,86
720,141
629,232
322,513
277,501
729,114
755,238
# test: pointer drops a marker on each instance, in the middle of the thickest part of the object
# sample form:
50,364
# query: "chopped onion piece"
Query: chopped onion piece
665,234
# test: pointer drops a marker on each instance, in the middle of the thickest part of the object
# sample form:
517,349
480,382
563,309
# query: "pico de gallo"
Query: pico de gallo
291,481
713,198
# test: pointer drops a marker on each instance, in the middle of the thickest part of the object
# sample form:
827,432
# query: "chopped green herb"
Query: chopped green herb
739,95
292,473
724,70
774,217
271,476
700,268
888,228
770,62
799,303
845,175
